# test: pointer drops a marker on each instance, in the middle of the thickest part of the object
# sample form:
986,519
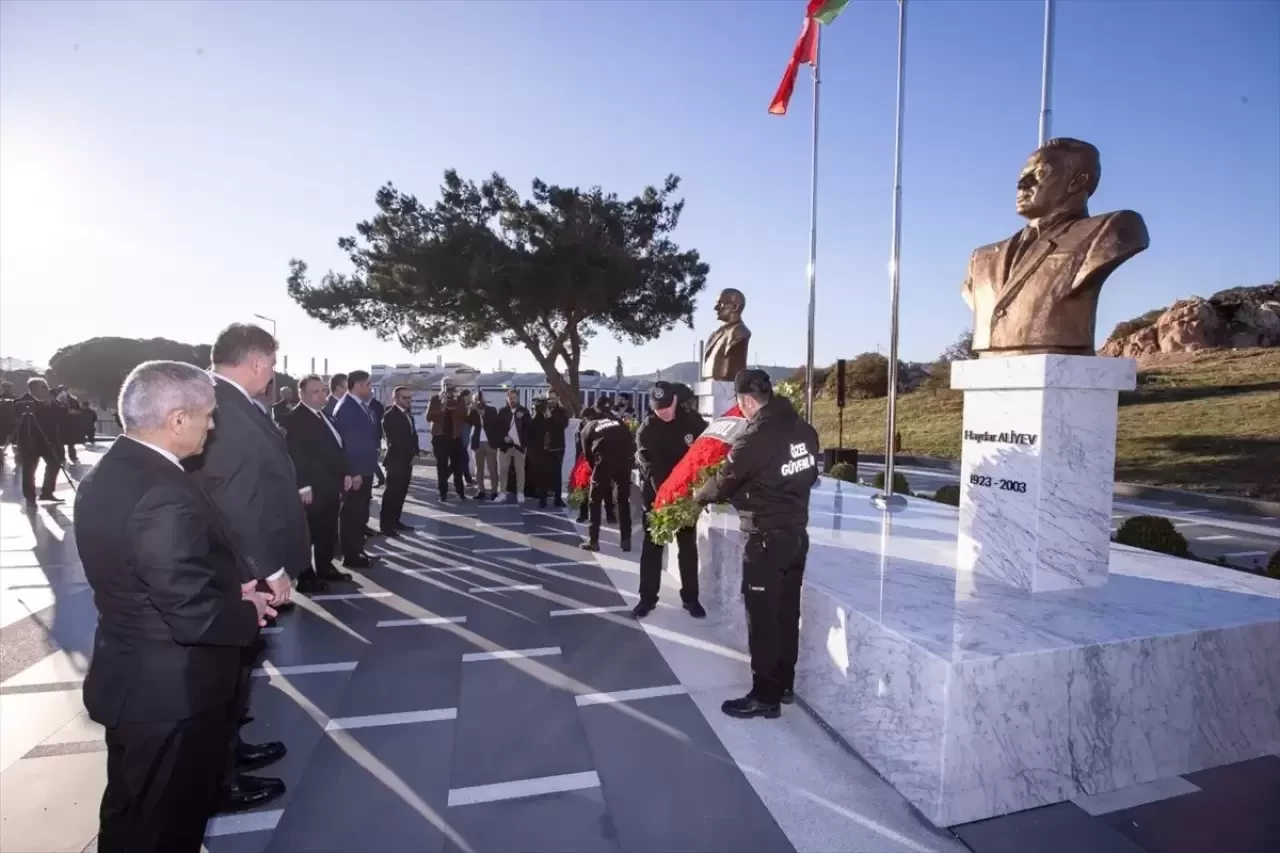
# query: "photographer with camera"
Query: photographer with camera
37,436
447,415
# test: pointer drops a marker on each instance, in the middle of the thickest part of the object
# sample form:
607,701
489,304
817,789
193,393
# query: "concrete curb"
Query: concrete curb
1179,497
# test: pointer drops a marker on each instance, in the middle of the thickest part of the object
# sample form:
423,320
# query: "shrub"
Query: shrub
1152,533
793,392
865,377
900,484
1128,327
843,471
1273,565
949,494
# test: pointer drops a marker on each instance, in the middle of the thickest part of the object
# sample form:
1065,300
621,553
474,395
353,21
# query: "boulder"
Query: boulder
1243,317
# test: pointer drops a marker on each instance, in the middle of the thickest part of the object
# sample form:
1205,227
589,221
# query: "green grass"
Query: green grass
1208,422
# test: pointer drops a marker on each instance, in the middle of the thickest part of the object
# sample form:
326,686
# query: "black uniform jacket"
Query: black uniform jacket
770,469
660,445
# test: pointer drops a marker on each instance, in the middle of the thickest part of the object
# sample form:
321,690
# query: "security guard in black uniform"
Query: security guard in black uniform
611,449
8,417
661,442
767,477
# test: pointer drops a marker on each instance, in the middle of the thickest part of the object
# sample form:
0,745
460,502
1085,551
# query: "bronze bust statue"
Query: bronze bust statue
726,350
1037,292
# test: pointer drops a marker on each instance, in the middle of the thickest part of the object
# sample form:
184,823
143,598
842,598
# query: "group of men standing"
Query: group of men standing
43,425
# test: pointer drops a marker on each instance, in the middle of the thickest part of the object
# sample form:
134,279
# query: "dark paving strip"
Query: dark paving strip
1235,809
51,687
670,783
1060,828
567,821
45,750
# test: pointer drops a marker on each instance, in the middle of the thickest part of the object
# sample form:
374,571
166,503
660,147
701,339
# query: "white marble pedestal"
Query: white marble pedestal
1038,466
976,700
715,397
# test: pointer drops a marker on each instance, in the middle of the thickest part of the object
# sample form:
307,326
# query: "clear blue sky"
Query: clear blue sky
161,162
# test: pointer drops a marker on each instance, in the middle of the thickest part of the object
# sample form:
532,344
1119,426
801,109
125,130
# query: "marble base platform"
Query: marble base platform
979,699
715,397
1038,467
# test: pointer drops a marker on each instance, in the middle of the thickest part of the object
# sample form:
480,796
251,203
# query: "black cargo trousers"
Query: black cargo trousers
772,573
610,481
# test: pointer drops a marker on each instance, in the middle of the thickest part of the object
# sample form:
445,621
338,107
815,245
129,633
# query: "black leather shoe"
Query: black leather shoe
626,546
406,528
356,563
251,756
335,576
369,531
389,533
642,610
311,585
590,546
696,610
249,792
559,503
246,720
788,696
749,706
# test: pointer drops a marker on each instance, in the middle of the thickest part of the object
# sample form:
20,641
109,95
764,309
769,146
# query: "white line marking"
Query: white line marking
502,550
348,596
1246,554
621,608
236,824
271,629
269,669
436,571
523,788
509,654
631,695
1195,511
433,537
1214,538
425,620
575,534
519,587
370,721
558,565
504,523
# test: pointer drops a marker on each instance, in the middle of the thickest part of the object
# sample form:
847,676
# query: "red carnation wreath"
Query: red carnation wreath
674,507
579,483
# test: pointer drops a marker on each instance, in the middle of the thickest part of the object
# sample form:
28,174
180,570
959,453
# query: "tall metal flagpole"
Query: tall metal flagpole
813,228
1046,73
888,500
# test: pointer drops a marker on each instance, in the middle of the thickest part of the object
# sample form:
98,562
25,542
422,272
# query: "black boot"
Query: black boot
749,706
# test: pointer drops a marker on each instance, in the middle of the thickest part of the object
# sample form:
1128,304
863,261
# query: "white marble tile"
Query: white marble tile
715,397
976,699
1038,469
1045,371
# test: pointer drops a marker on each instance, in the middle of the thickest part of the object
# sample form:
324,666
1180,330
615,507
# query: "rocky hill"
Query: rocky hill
1239,318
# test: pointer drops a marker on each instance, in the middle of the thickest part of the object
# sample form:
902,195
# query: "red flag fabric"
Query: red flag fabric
804,53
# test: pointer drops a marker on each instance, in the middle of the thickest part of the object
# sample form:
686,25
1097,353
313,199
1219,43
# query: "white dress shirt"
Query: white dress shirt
513,433
165,453
322,416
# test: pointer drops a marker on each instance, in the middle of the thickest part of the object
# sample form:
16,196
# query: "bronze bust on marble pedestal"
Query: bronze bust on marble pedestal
726,350
1037,292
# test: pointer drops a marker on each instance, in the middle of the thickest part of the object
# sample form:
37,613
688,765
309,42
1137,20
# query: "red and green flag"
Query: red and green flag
806,49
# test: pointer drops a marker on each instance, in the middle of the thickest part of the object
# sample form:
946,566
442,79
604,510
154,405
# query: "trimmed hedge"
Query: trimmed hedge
1273,565
949,494
900,484
843,471
1152,533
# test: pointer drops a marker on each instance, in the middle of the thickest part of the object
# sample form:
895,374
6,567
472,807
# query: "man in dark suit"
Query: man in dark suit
283,406
337,390
360,443
402,449
378,411
246,470
316,449
173,619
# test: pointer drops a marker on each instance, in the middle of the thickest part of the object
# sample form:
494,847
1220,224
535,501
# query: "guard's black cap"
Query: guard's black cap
752,382
663,395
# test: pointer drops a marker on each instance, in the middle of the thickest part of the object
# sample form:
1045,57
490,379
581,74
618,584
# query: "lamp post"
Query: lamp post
269,320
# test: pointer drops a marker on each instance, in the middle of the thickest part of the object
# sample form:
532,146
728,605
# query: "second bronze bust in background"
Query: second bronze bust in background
1037,292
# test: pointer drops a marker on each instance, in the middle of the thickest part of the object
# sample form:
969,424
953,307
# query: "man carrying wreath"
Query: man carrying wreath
767,477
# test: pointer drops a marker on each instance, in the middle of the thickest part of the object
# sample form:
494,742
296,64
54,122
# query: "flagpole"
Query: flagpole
889,501
813,231
1046,73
